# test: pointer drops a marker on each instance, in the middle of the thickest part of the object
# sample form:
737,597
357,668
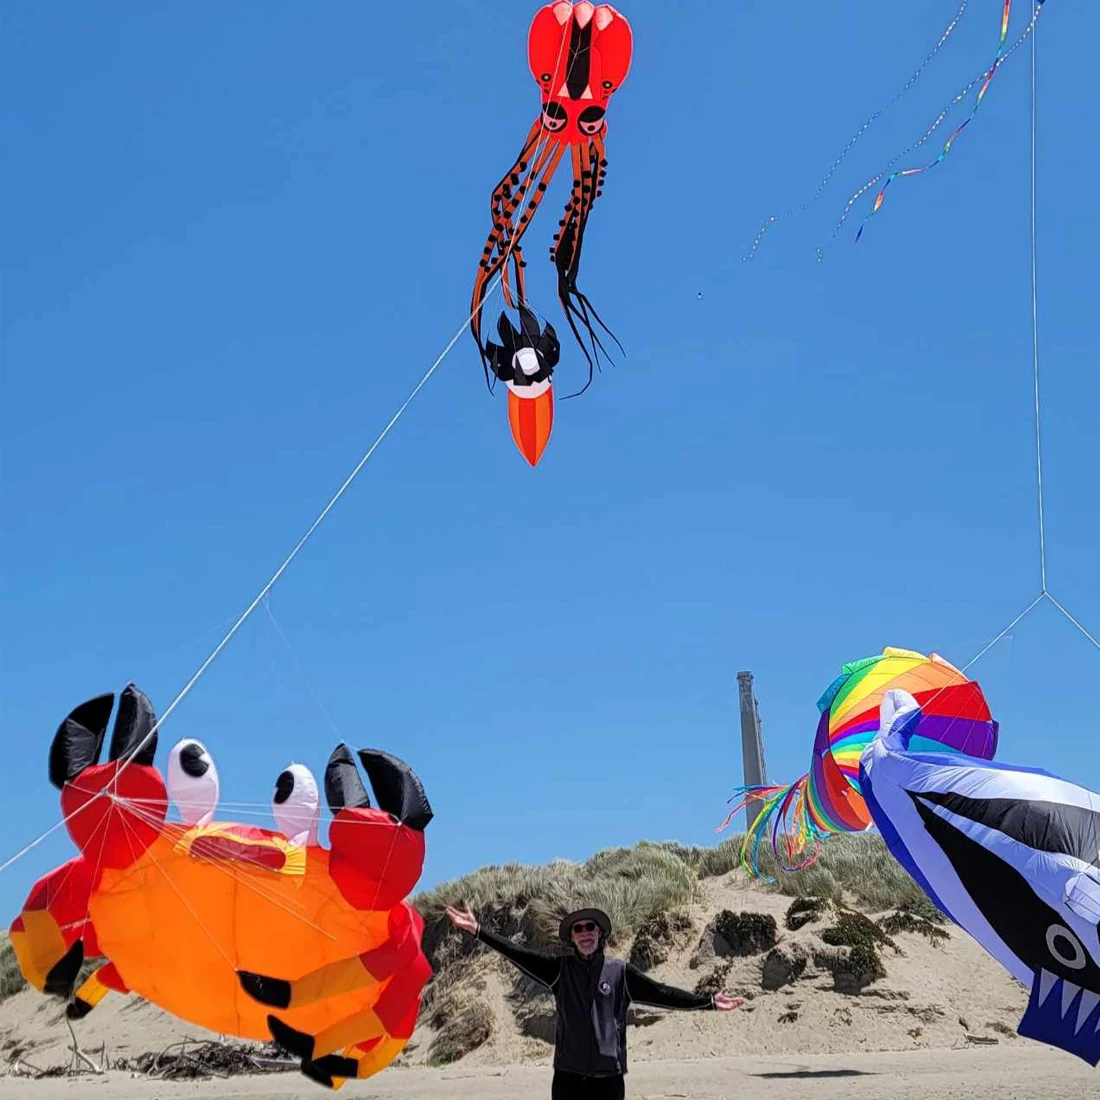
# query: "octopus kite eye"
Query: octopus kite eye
608,84
591,120
554,116
545,77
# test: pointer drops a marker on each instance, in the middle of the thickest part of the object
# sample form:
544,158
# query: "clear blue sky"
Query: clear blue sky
235,236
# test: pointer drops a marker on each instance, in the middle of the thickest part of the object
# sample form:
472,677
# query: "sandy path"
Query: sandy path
1031,1073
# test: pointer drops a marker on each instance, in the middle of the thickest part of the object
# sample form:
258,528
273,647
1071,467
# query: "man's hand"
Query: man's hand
463,919
724,1003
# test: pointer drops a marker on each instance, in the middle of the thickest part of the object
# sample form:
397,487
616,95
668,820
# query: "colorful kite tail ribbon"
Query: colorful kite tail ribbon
782,813
999,59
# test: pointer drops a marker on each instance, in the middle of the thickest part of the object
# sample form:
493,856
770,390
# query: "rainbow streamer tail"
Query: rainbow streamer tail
987,77
782,813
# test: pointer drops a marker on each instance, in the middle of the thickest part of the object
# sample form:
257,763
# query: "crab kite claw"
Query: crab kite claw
1011,854
377,855
112,811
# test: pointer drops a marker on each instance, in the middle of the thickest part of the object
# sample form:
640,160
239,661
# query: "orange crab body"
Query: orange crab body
179,926
196,918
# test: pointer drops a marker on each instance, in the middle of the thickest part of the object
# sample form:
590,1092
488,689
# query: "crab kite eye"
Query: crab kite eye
554,116
296,805
193,781
591,120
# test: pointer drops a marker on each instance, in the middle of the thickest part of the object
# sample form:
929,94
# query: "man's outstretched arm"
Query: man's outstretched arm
543,968
644,990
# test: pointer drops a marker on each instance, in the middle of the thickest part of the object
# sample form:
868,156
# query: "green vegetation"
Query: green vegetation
746,933
518,900
714,982
803,911
633,884
905,921
465,1031
656,934
11,980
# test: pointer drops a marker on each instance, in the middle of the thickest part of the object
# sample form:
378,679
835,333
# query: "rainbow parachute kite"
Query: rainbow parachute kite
828,798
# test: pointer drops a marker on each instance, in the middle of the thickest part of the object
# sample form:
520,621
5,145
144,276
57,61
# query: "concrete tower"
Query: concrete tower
752,743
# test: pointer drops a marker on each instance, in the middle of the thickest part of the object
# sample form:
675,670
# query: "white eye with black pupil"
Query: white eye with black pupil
193,782
296,805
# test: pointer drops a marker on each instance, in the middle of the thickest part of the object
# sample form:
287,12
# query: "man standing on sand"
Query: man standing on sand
592,991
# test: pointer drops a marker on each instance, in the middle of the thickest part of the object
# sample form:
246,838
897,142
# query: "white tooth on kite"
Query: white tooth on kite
563,12
1046,984
1089,1001
604,15
1069,995
583,12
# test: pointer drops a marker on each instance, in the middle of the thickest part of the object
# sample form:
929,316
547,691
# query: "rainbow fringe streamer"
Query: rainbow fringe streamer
987,79
798,818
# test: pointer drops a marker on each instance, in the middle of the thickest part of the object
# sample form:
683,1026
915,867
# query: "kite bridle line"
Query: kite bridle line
124,762
984,78
865,126
262,594
770,801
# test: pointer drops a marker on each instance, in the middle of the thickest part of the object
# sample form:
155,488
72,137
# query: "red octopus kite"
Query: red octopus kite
579,55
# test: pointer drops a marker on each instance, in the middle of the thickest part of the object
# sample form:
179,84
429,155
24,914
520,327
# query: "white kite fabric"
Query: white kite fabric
1011,855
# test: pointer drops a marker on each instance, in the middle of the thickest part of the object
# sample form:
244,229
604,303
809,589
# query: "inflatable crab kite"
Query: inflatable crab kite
242,930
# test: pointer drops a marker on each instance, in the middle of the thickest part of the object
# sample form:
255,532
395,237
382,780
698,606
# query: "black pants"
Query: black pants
572,1086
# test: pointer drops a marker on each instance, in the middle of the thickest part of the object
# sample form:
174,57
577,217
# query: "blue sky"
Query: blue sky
235,236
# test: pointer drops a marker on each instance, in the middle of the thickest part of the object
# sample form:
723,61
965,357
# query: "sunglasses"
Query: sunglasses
585,926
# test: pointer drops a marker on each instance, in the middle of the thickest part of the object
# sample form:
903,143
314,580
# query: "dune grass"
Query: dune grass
633,884
11,979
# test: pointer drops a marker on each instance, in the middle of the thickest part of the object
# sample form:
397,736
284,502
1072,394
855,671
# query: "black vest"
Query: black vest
591,1027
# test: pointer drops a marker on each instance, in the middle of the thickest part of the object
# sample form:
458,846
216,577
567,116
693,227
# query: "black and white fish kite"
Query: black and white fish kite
1011,854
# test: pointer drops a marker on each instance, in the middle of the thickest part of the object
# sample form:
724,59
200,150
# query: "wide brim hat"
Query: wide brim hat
565,929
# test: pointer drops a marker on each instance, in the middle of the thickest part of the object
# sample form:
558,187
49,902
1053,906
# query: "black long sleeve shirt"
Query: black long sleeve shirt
592,996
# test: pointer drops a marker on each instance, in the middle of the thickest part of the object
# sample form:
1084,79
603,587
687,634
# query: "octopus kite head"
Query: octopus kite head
579,55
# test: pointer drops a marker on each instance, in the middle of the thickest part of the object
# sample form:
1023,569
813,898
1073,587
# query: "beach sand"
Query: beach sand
1032,1073
940,1026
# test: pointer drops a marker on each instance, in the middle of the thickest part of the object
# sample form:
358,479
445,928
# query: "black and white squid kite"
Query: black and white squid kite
1012,855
